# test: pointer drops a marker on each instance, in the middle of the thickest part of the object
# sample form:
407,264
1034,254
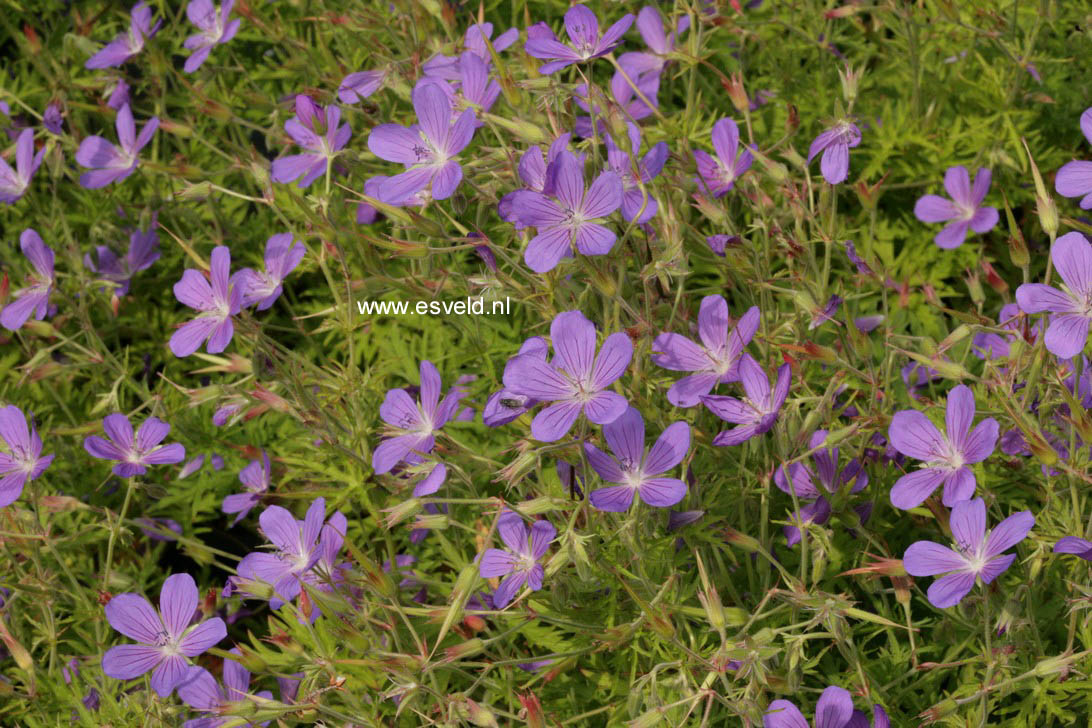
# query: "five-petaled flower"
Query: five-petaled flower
14,182
143,251
256,478
199,690
975,554
946,457
23,461
637,204
127,44
834,710
34,299
109,163
636,469
719,174
583,29
215,30
134,454
428,148
166,637
519,565
715,360
576,380
571,219
216,303
414,424
1070,309
282,255
965,208
316,130
835,144
757,412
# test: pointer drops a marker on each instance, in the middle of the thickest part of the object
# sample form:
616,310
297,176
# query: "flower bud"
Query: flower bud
401,512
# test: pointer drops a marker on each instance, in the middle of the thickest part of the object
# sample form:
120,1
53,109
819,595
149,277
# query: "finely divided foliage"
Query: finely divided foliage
753,443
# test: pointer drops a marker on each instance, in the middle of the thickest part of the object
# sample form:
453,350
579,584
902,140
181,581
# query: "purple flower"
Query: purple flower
216,303
215,30
111,163
52,119
537,174
14,182
834,710
195,464
506,405
119,96
359,86
798,478
428,148
821,316
989,345
835,144
571,219
965,207
143,251
160,529
851,253
636,468
1074,545
1074,179
576,380
23,461
716,361
583,29
166,637
720,174
1070,309
256,478
128,44
414,424
650,24
519,565
431,483
199,690
975,554
316,130
297,550
637,205
718,243
946,457
281,258
34,299
755,414
626,98
134,454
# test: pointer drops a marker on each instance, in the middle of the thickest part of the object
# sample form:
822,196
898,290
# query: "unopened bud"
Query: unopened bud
1044,203
401,512
736,93
464,649
742,540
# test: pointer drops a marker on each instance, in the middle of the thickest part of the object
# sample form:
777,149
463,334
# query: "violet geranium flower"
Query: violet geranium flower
570,221
23,461
816,488
316,130
414,424
134,454
1074,179
635,468
946,457
33,299
719,174
583,29
109,163
427,149
143,251
256,478
281,258
215,30
576,380
166,637
975,554
834,710
1070,309
216,303
637,206
835,144
359,86
965,207
448,67
650,24
14,182
199,690
127,44
519,565
755,414
505,405
716,361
